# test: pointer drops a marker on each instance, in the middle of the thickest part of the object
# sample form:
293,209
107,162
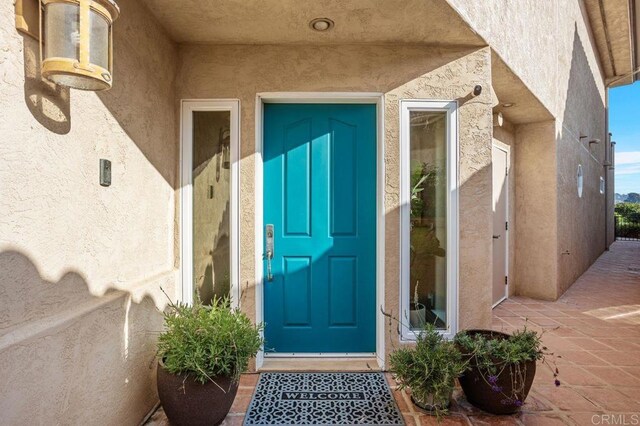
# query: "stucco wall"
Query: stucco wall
566,77
542,29
81,264
536,208
400,72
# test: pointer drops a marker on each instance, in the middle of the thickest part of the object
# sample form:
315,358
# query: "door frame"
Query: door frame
187,107
321,98
507,149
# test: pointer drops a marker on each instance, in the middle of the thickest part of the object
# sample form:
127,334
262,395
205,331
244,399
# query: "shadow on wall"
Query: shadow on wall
60,347
49,104
581,221
142,97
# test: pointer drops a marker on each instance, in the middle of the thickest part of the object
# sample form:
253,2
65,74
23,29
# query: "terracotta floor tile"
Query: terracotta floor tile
491,420
567,399
578,376
609,399
536,403
566,331
409,420
544,375
619,358
403,400
631,392
614,376
232,421
241,403
634,371
583,358
571,322
588,344
622,344
530,419
586,419
249,380
451,420
599,331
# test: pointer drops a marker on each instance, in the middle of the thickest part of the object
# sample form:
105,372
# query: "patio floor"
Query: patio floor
594,327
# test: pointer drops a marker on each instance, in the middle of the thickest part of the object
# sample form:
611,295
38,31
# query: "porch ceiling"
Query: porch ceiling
287,21
510,89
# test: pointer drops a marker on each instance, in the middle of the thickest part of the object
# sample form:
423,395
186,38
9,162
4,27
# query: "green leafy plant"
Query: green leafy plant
498,356
423,177
429,369
207,341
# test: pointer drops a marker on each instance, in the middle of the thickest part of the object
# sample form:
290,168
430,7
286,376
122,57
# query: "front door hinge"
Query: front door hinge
506,226
506,280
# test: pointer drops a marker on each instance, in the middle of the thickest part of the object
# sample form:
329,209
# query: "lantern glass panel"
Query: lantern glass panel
62,34
99,41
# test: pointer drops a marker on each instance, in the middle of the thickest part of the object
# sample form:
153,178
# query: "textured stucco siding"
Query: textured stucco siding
549,45
536,209
535,38
81,264
400,72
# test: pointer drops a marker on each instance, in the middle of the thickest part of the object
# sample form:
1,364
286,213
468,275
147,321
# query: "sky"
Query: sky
624,123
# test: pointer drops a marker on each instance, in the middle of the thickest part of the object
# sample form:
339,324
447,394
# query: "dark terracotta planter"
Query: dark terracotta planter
481,394
187,402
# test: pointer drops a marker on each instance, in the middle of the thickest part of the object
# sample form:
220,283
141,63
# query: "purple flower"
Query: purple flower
496,388
557,382
493,379
518,403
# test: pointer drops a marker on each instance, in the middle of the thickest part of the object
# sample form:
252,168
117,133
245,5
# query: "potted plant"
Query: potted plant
201,354
429,370
501,368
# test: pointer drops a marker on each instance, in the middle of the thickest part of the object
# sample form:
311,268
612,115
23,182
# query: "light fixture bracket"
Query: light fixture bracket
28,17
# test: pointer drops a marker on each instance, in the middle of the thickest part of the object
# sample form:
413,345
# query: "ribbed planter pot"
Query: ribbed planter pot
187,402
481,394
431,405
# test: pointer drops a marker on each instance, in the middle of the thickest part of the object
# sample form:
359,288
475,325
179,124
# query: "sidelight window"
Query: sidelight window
429,216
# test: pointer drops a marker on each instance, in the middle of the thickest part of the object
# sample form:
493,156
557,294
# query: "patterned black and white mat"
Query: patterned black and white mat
285,399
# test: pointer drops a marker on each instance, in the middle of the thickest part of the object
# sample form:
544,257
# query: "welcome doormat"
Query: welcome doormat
323,399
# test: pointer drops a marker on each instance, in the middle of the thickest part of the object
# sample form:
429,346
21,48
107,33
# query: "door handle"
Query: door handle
269,252
495,237
269,274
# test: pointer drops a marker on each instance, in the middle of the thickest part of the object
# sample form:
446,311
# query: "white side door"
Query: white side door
500,223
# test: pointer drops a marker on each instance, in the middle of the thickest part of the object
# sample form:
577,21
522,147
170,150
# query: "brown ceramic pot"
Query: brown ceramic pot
481,394
187,402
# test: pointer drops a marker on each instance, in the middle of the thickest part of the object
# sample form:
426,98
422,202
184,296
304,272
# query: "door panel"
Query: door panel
500,218
320,195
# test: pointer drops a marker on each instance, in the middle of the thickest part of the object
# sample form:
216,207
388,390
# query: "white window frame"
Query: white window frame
451,109
188,107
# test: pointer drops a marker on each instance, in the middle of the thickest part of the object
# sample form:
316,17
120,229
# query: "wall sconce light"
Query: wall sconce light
76,40
225,144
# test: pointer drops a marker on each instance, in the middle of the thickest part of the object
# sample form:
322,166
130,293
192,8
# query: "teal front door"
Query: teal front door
320,203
